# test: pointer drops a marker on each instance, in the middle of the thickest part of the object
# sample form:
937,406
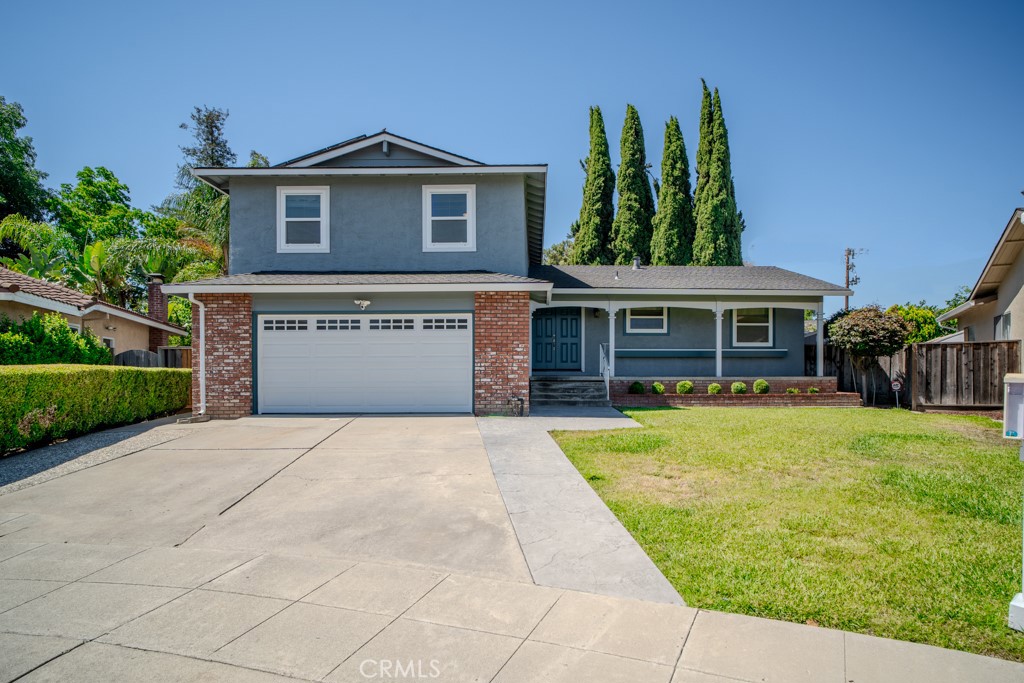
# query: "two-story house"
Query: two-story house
384,275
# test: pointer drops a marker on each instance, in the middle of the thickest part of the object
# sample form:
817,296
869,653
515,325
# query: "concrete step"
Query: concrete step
573,403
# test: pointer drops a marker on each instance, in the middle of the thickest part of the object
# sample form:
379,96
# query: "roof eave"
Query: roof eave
956,312
663,291
200,288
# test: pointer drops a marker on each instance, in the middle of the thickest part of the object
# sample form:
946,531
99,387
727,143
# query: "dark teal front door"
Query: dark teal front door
556,339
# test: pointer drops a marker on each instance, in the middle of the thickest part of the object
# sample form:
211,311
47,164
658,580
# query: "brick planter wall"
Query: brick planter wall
829,395
228,355
501,363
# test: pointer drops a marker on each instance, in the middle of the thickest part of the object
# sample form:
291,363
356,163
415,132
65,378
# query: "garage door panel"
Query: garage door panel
365,363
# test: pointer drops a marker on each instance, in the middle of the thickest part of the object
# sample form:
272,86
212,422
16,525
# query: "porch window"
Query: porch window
647,320
303,222
449,218
752,327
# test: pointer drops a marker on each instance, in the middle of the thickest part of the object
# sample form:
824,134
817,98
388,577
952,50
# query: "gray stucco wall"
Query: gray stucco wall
377,226
454,302
691,328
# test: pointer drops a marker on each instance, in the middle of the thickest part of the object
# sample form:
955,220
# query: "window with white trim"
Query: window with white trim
752,326
449,218
303,219
75,328
647,320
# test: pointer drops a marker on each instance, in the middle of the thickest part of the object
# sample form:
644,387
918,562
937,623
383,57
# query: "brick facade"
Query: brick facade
157,301
228,355
501,351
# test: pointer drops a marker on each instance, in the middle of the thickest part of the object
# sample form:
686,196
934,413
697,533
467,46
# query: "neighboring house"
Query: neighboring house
120,329
994,311
384,275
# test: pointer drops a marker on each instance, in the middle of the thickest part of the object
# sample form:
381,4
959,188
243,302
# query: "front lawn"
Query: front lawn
885,522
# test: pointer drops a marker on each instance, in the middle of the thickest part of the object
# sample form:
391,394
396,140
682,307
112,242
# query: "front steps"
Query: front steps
567,390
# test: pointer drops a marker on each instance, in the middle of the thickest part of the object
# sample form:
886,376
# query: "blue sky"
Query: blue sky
892,127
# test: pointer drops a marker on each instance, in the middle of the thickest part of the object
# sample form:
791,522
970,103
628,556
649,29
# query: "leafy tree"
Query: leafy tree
922,320
21,183
719,224
867,333
631,229
98,207
257,160
560,253
672,242
593,230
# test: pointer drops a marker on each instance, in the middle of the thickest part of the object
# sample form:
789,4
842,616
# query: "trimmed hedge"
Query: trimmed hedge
761,387
44,402
658,388
684,387
636,388
714,388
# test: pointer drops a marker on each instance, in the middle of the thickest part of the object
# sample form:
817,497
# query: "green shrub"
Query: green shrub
48,339
792,390
761,387
636,388
684,387
714,388
658,388
43,402
813,390
739,387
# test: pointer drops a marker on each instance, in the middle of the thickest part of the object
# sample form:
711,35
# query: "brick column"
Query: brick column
501,333
228,355
157,310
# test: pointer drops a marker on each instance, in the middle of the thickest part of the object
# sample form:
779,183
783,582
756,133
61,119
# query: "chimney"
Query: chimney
636,263
157,310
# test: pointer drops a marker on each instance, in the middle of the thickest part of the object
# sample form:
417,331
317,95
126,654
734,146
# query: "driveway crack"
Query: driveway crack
289,464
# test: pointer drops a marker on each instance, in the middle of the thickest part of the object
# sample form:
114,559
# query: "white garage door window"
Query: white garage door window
351,363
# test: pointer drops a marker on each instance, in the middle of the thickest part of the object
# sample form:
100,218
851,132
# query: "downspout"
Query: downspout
202,352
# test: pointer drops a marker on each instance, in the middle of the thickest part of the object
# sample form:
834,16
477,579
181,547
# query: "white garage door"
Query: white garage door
351,363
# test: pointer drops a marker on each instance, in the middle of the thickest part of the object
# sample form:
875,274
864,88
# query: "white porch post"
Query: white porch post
611,340
819,364
719,315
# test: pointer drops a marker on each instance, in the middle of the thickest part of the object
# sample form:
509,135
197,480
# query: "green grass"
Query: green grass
886,522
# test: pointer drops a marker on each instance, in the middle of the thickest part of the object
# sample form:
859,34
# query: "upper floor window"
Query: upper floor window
449,218
1002,327
303,220
752,327
647,320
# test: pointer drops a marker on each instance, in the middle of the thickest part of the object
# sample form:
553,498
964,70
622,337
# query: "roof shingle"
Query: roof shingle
751,278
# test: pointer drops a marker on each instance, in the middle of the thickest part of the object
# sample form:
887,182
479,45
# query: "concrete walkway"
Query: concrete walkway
357,549
569,536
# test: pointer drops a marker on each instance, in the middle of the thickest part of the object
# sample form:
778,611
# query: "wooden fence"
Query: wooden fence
963,375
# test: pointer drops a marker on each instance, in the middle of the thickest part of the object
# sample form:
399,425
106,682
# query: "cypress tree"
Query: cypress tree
704,144
733,227
631,229
717,240
593,230
672,242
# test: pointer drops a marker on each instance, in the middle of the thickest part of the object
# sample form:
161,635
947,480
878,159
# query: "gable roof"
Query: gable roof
690,279
362,141
51,296
1003,256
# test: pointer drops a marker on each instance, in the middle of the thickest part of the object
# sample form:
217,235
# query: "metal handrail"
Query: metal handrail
605,368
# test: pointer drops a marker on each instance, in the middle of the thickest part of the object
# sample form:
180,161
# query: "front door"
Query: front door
556,339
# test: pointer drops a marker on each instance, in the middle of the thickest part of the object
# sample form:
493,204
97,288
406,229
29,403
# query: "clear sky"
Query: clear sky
894,127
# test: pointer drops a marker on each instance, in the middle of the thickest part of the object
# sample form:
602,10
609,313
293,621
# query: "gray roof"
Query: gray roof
717,278
471,277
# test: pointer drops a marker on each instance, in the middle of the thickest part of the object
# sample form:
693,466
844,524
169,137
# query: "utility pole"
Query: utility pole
851,271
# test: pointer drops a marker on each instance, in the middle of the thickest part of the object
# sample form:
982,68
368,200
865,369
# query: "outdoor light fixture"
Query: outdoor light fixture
362,303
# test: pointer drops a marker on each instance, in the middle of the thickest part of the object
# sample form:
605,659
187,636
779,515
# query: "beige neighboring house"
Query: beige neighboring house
120,329
995,309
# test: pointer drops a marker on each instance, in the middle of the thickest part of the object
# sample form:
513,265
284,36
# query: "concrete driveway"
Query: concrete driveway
369,548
